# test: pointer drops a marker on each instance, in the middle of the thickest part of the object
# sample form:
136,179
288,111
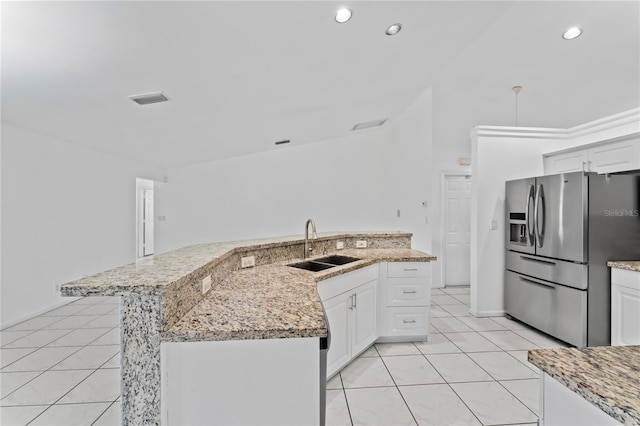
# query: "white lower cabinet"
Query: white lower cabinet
241,382
625,307
351,304
405,297
560,406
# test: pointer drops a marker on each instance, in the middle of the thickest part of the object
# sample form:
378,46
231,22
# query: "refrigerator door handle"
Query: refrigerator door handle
539,213
530,219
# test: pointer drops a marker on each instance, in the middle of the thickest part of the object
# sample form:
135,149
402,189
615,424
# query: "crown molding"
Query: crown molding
625,118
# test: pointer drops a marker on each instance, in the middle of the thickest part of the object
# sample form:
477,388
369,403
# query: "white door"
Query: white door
457,225
147,222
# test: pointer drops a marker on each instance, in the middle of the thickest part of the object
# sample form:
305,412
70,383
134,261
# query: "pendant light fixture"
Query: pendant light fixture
516,90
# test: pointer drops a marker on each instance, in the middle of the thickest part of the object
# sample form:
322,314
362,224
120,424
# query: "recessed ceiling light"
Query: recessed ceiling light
394,29
572,33
343,15
368,124
149,98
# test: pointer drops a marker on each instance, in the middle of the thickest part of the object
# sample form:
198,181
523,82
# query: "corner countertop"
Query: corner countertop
151,275
629,265
272,301
607,376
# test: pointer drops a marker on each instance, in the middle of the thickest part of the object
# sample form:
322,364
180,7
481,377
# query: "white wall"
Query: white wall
341,184
496,159
67,211
350,184
411,157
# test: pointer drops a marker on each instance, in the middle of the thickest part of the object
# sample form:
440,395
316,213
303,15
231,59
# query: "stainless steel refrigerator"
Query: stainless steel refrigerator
561,231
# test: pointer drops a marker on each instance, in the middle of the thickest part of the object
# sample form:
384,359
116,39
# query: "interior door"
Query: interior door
457,244
147,222
561,221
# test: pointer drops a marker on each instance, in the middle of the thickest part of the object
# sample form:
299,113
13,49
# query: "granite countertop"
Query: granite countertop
272,301
152,274
607,376
630,265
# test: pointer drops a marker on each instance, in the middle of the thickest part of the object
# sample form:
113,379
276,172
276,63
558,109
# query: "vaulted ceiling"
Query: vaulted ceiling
241,75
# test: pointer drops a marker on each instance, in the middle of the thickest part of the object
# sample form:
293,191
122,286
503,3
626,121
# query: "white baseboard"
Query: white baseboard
482,314
41,311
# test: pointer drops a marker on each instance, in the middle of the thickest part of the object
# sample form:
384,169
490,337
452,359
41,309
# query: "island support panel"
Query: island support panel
141,321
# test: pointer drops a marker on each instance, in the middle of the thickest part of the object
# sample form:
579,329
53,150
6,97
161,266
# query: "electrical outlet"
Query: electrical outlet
340,245
248,261
206,284
494,225
361,244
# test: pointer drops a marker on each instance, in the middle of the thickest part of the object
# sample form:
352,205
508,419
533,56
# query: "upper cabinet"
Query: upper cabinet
603,157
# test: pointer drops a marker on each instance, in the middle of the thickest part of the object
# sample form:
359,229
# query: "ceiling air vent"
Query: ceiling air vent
149,98
369,124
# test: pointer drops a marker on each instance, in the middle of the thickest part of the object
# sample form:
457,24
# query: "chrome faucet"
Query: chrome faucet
314,235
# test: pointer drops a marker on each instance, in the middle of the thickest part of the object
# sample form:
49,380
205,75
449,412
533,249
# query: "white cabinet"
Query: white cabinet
625,307
241,382
365,315
560,406
405,295
351,304
573,161
607,157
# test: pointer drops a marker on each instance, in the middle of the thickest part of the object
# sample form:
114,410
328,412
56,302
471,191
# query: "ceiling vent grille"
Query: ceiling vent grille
149,98
369,124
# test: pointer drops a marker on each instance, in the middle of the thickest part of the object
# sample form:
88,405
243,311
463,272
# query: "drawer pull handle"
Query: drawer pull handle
410,269
410,292
531,259
408,321
537,283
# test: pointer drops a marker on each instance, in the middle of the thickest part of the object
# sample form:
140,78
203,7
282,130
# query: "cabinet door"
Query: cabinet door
615,157
625,316
575,161
338,310
365,327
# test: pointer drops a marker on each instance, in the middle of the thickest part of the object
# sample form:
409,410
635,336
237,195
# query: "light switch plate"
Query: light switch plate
340,245
248,261
206,284
361,244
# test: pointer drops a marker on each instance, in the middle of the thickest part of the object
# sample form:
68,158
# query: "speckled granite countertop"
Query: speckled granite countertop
272,301
151,275
607,376
630,265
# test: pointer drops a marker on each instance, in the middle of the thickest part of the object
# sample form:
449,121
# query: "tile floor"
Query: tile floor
62,368
471,371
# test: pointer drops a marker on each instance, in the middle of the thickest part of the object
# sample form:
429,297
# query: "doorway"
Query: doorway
456,194
144,216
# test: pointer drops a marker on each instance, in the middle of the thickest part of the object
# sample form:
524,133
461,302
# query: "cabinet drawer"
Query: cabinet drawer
407,321
334,286
552,308
409,269
408,291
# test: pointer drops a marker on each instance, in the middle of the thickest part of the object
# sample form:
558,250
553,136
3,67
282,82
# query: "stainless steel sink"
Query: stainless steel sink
323,263
336,260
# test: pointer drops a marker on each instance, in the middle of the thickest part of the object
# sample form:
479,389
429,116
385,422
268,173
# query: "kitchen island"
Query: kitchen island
202,293
597,385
